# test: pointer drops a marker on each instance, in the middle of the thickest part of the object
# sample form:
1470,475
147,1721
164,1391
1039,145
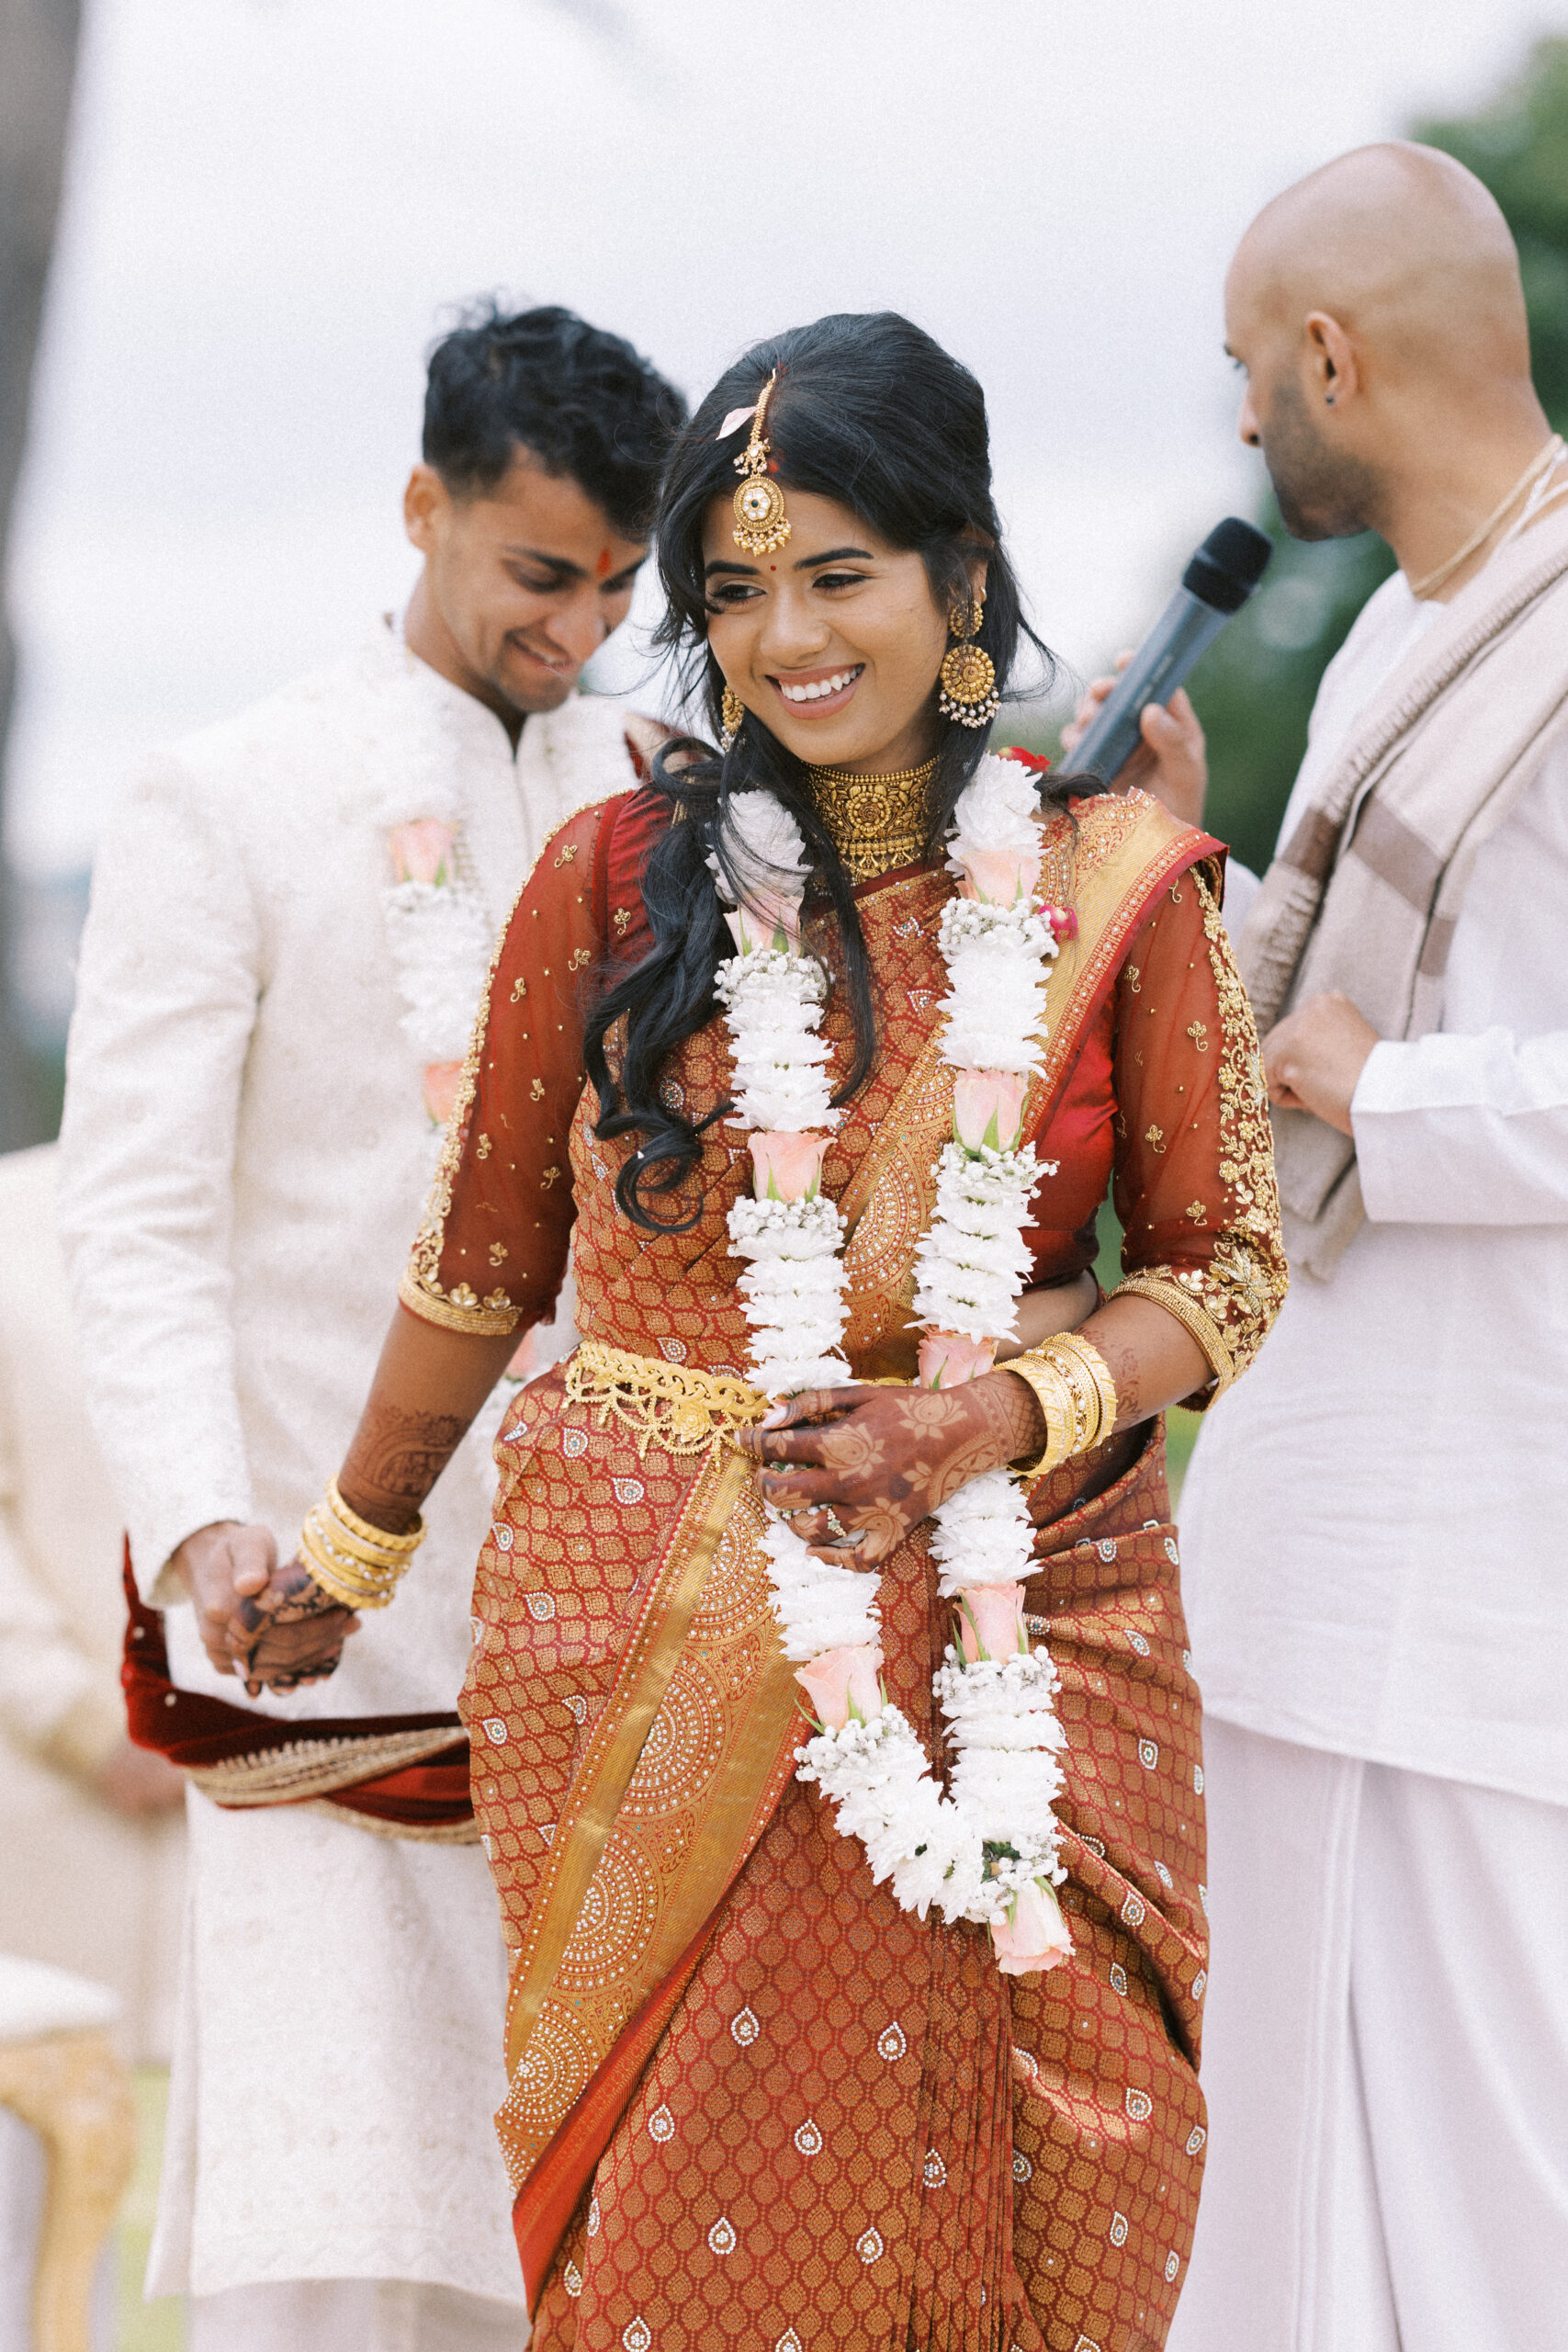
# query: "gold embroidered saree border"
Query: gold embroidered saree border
583,1997
1109,897
618,1739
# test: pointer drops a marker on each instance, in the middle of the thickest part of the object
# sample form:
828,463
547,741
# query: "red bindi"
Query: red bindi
602,569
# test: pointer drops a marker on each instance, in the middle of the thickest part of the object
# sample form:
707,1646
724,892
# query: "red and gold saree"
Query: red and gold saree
752,2101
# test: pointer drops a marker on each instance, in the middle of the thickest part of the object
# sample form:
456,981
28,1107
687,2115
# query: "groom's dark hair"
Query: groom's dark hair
584,402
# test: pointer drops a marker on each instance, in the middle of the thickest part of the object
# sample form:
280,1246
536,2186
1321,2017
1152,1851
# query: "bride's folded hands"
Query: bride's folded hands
858,1469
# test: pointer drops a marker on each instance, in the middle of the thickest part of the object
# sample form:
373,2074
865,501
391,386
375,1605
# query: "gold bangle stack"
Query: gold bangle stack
355,1564
1073,1387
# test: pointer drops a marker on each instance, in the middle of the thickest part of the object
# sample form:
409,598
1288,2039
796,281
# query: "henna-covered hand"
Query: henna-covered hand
883,1459
296,1632
396,1458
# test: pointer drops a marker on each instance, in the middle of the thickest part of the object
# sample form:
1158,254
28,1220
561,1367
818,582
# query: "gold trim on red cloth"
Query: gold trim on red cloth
1108,864
705,1652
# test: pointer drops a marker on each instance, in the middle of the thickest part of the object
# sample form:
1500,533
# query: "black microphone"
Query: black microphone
1216,583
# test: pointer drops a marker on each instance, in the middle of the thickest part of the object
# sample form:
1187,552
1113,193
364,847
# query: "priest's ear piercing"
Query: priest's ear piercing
732,713
968,676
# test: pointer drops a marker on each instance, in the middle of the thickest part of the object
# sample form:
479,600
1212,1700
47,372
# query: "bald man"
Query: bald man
1374,1523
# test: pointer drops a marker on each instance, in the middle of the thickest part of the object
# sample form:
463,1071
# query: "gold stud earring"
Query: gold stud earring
732,713
968,676
760,524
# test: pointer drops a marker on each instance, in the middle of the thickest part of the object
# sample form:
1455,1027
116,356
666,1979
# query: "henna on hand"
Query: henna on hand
296,1632
883,1459
396,1458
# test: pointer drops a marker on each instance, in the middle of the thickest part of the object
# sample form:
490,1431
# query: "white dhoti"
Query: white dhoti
1385,2059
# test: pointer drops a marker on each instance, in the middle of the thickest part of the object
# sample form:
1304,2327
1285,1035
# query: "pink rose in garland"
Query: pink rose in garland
421,851
785,1166
1036,1937
990,1621
441,1090
999,876
946,1359
767,919
987,1108
839,1682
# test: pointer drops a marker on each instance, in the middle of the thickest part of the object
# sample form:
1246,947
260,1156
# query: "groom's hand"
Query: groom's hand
221,1567
1313,1060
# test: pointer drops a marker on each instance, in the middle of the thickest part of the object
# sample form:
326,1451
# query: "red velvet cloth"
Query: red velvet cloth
194,1731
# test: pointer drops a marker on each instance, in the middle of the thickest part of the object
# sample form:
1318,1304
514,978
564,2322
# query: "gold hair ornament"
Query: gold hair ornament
760,524
732,715
968,676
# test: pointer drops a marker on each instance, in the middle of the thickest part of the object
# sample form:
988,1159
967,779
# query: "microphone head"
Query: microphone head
1229,565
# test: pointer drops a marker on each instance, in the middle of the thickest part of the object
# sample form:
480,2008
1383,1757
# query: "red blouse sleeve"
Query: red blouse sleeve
493,1248
1194,1177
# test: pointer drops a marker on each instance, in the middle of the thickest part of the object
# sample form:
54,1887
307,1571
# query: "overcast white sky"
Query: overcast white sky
273,202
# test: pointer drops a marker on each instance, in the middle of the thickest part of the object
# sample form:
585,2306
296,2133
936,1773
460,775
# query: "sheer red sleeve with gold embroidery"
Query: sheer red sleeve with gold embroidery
1194,1175
492,1252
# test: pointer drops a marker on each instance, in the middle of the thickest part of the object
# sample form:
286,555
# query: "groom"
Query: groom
289,934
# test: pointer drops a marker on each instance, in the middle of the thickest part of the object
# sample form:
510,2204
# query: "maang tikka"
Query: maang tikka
760,524
968,676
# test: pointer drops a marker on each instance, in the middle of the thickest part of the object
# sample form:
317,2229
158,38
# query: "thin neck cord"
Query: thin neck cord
1538,471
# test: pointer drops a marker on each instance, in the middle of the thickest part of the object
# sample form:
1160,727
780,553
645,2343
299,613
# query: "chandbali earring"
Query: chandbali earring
968,676
760,524
732,712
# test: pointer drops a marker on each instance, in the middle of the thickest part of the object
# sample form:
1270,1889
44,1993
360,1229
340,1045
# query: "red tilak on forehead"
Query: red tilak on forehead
602,569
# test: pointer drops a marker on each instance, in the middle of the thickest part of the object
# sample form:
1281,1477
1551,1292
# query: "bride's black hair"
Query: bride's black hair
868,410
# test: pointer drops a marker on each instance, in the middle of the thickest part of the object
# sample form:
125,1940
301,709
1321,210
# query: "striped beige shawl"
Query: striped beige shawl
1365,895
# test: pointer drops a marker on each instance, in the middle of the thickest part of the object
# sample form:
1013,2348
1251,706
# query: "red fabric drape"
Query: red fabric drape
194,1731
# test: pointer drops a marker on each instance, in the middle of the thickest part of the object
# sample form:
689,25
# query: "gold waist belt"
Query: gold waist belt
680,1409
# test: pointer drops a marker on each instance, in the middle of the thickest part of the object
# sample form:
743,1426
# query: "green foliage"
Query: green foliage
1253,690
1517,144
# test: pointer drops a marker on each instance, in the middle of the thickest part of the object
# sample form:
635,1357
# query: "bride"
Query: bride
834,1745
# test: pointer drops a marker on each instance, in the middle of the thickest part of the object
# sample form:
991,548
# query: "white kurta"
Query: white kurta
244,1155
1375,1581
1372,1554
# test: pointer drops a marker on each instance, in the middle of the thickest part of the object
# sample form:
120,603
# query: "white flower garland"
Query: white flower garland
987,1852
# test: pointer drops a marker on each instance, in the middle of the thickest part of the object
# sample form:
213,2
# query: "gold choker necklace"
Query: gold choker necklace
876,821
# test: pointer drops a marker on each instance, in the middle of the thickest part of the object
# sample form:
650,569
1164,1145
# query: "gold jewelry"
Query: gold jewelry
355,1564
732,713
1096,1372
1057,1404
968,676
1076,1394
1540,466
876,821
1194,1318
760,523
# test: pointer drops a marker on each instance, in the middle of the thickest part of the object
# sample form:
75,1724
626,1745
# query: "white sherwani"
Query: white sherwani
1373,1566
244,1155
